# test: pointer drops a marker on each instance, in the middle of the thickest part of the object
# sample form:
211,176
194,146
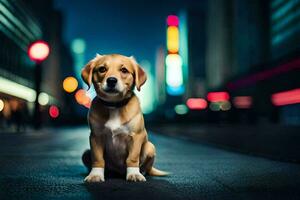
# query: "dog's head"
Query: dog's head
113,76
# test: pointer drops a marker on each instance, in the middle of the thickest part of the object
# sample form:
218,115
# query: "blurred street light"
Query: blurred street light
1,105
43,99
38,51
82,98
286,97
172,20
218,96
174,73
78,46
173,39
53,111
242,102
196,103
181,109
70,84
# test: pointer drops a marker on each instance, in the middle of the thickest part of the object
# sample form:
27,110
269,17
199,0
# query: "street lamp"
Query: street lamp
38,51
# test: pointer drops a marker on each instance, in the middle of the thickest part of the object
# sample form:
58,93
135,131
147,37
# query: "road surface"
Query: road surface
47,165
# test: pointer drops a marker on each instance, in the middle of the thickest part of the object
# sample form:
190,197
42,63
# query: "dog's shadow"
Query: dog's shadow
116,187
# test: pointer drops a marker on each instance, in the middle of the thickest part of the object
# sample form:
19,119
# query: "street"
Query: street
47,165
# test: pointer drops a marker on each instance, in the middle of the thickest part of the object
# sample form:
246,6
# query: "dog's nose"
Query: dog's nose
111,82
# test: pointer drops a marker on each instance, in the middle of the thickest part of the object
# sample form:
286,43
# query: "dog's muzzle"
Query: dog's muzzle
111,82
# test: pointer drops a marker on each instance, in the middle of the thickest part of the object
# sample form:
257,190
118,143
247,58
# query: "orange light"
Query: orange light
196,103
173,39
286,97
82,98
242,102
53,111
70,84
38,51
217,96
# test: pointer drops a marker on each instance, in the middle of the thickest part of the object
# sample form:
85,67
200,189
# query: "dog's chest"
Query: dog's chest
114,124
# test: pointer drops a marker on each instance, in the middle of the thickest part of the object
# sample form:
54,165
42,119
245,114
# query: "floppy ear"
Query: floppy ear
140,76
87,71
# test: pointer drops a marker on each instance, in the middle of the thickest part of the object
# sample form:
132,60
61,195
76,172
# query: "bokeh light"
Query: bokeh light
218,96
242,102
38,51
172,20
215,106
70,84
181,109
225,105
78,46
1,105
53,111
220,106
196,103
286,97
173,39
174,70
82,98
43,98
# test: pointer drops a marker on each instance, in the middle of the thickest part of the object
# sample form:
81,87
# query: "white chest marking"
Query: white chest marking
114,123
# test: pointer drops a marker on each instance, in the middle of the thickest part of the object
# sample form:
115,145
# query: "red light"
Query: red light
286,97
293,65
196,103
242,102
38,51
217,96
53,111
172,20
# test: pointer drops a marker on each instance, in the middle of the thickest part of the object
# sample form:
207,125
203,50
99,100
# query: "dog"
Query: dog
118,139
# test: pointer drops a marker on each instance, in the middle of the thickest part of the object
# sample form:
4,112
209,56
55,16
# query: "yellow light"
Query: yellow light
70,84
1,105
173,39
174,70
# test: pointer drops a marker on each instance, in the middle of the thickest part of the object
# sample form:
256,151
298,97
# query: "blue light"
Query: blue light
284,9
285,21
175,91
283,36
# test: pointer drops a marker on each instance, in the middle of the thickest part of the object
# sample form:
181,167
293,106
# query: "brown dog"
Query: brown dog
118,138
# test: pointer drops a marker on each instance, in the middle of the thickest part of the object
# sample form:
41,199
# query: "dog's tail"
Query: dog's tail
156,172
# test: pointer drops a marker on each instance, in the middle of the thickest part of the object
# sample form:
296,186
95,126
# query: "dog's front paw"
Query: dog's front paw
133,174
96,175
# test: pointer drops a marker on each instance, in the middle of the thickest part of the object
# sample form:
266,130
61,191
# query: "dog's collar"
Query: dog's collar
116,104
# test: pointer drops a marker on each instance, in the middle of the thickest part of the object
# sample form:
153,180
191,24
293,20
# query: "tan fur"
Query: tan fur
118,136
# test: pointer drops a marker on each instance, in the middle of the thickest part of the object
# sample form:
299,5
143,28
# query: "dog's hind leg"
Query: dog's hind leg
147,157
147,160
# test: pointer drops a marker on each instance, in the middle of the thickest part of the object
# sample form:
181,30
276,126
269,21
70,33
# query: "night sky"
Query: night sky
118,26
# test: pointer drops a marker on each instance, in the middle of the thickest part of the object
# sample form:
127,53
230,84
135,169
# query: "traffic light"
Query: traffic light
174,74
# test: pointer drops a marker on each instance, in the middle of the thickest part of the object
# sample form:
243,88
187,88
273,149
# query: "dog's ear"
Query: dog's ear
87,71
140,76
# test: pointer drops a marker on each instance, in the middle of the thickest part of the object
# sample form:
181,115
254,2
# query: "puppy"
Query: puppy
118,138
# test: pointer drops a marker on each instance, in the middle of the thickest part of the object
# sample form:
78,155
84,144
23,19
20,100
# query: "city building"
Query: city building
21,23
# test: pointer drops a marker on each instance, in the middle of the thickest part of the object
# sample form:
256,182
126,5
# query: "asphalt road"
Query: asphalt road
47,165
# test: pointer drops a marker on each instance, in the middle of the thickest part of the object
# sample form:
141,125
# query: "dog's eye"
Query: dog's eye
102,69
124,70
